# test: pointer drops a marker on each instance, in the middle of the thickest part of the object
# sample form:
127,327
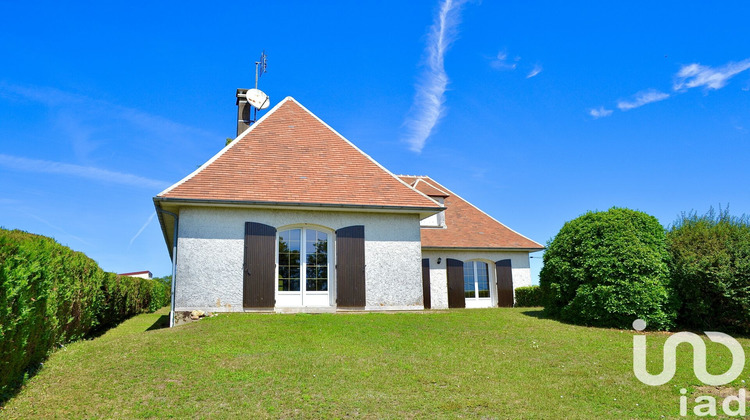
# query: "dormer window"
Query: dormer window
436,220
421,185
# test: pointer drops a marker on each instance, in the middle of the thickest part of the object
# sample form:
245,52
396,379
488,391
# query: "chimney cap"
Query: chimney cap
241,95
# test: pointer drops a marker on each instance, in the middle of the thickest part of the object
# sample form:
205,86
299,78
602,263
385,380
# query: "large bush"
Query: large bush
607,269
710,268
166,281
50,295
529,296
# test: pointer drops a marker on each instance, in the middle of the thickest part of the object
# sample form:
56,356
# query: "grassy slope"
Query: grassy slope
496,363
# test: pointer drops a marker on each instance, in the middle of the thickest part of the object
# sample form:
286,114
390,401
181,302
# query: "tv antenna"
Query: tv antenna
260,67
255,97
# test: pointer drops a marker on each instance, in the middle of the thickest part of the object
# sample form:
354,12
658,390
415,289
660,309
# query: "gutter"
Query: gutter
196,201
174,259
460,248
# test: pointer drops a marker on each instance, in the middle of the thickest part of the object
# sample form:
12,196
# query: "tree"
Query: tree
710,268
607,269
167,282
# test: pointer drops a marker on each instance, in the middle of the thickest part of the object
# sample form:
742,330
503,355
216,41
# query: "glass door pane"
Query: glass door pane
289,260
316,250
483,280
469,290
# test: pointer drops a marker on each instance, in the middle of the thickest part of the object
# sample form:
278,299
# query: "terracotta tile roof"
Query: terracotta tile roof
467,226
409,179
428,189
291,156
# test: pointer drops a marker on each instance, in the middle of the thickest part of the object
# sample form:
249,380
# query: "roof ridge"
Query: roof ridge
417,177
423,180
482,211
228,146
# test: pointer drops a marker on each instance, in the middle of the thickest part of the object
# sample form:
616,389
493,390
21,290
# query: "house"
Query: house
292,216
141,274
481,260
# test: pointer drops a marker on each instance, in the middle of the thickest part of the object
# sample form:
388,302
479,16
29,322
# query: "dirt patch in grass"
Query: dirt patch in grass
720,392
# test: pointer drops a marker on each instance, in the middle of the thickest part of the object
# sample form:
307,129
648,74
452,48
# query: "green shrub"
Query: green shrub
710,266
51,295
166,281
608,268
529,296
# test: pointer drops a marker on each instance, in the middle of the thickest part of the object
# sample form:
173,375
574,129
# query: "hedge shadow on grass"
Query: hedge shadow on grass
539,314
162,322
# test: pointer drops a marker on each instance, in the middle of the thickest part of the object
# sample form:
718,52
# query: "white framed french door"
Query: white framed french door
303,268
477,285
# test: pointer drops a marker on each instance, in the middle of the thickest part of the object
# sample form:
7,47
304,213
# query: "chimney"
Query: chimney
243,111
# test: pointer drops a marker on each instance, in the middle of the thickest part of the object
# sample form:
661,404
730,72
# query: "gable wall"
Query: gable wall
211,251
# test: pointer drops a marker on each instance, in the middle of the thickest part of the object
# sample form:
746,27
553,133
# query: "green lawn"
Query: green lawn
493,363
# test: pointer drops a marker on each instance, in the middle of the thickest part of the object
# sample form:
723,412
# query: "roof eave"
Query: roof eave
162,223
422,211
476,248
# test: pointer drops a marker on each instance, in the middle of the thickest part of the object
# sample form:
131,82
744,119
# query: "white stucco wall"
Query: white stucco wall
437,219
439,277
211,251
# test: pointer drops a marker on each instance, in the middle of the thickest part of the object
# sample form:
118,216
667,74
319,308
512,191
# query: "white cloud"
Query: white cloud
88,172
9,202
536,70
688,77
502,65
500,62
696,75
428,106
46,95
642,98
58,228
600,112
89,123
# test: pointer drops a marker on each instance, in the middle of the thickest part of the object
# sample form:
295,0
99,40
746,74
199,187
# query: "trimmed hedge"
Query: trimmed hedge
710,268
608,268
51,295
529,296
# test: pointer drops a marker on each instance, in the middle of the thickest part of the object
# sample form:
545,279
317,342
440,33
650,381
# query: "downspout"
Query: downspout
174,261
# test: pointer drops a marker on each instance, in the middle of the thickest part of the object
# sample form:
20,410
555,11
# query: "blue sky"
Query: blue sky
534,111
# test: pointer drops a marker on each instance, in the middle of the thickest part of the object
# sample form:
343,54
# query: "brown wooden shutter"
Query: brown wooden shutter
504,273
259,285
426,283
456,296
350,267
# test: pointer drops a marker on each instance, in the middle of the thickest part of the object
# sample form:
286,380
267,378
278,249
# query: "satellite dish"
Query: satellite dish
257,98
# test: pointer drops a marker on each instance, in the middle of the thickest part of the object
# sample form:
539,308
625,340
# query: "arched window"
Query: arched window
476,280
304,272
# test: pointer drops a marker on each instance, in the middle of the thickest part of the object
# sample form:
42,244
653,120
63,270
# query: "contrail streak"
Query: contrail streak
428,109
